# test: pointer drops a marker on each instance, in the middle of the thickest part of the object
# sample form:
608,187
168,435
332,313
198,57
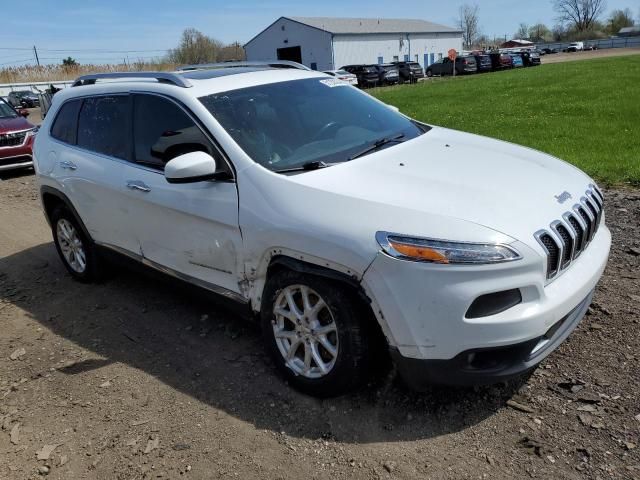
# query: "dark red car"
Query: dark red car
16,138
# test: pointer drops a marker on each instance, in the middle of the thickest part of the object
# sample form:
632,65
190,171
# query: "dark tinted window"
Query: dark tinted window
65,126
103,125
162,131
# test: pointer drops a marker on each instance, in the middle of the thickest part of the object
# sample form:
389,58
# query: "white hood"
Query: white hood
502,186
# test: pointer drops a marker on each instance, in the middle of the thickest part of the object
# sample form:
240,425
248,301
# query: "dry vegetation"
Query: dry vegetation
50,73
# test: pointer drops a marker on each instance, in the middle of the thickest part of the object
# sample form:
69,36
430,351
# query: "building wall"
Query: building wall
371,48
315,44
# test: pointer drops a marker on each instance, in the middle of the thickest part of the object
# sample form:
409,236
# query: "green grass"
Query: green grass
585,112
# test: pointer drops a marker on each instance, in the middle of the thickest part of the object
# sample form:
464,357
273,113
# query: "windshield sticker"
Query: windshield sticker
334,82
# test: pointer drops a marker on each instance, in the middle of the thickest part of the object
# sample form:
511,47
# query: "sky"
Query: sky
109,31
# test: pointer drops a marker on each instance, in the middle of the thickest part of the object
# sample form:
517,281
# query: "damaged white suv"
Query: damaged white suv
349,228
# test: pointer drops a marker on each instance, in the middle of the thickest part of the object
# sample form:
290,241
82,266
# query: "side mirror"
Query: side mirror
23,112
190,167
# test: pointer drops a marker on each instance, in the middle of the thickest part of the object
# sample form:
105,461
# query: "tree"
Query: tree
523,32
468,23
539,33
194,48
581,15
619,19
69,62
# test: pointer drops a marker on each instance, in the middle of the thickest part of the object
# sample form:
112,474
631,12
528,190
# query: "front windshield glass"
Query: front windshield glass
287,125
6,110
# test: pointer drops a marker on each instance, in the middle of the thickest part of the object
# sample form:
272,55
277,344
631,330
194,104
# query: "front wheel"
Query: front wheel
315,332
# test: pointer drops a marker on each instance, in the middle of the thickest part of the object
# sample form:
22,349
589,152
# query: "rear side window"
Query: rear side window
103,125
65,126
162,131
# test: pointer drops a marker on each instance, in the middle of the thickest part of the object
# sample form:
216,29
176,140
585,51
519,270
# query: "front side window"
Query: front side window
291,124
162,131
65,126
103,125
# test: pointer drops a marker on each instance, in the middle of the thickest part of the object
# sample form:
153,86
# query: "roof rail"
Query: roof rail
162,77
271,64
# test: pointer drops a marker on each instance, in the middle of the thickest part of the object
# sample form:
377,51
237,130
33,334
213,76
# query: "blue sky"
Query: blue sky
147,28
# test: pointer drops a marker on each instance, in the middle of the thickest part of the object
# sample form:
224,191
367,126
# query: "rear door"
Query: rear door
191,230
91,144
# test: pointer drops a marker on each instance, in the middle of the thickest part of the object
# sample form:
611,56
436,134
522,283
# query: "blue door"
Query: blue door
433,58
406,58
380,60
426,60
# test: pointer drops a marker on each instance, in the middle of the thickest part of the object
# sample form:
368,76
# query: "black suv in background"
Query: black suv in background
389,74
368,75
409,71
484,63
444,66
24,99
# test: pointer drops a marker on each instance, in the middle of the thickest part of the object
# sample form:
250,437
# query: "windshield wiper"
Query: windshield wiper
377,144
313,165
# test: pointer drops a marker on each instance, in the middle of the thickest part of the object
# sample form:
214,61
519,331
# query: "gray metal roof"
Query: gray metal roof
372,25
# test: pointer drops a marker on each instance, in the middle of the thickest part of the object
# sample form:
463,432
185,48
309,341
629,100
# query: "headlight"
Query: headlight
444,251
33,131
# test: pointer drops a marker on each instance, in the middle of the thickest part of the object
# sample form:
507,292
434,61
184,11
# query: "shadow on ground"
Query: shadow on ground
187,342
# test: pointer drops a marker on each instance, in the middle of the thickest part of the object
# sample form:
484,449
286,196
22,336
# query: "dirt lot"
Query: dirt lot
137,378
607,52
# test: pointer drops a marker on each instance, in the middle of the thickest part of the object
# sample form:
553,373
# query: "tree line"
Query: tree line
576,20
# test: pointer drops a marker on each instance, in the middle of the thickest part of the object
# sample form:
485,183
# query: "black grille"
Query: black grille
579,231
12,139
569,237
567,241
14,160
553,253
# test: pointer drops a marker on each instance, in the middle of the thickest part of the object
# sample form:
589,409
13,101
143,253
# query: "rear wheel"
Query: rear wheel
315,332
429,73
77,252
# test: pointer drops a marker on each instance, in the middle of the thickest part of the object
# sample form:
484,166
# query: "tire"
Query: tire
340,316
429,73
77,252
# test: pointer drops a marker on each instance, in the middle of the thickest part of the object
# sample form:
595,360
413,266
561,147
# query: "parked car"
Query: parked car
500,61
549,51
409,71
575,47
516,58
343,75
483,62
24,99
16,138
529,58
367,75
467,270
389,74
464,65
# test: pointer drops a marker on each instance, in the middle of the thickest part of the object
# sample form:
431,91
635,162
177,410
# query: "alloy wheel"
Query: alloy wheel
71,245
305,331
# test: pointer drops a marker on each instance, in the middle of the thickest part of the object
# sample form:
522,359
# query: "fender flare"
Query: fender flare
46,191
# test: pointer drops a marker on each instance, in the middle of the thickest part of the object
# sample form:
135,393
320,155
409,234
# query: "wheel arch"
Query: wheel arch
52,198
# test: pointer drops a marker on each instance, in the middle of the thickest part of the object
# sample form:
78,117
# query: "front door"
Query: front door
189,230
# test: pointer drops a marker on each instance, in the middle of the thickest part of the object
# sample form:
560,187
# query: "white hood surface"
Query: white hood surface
502,186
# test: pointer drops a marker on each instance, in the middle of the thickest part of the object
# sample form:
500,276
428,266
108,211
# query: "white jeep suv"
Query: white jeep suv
348,228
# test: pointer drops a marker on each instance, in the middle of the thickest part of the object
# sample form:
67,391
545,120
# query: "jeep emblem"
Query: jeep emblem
563,197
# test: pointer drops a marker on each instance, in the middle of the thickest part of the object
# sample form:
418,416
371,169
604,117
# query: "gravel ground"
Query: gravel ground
140,378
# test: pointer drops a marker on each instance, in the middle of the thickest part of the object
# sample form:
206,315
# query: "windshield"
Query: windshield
22,93
6,110
290,124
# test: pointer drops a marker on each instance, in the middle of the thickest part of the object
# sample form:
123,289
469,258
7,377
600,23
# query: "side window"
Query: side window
103,126
65,126
162,131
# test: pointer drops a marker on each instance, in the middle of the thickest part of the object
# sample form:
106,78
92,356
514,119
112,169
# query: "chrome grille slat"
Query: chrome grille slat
564,240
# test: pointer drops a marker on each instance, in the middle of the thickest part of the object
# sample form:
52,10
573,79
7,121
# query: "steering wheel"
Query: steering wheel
333,125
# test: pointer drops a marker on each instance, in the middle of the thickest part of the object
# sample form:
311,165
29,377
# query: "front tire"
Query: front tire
76,250
315,331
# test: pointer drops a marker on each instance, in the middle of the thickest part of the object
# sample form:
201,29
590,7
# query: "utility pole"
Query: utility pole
35,51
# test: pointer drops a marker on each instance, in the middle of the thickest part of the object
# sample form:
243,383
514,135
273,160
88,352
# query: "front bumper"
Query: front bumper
20,156
422,307
485,366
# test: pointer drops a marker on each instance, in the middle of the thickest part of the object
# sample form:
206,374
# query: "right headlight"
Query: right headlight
431,250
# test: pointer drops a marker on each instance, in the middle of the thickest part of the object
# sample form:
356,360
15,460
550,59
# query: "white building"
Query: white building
325,43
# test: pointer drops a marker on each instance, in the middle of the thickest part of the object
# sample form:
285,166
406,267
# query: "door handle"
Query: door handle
67,165
138,185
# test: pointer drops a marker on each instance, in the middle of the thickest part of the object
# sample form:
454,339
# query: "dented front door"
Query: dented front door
190,229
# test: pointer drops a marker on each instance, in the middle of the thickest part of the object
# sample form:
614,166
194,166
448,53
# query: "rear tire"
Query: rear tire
316,333
77,251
